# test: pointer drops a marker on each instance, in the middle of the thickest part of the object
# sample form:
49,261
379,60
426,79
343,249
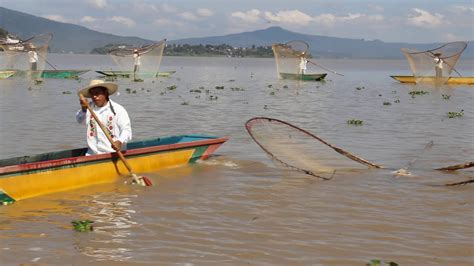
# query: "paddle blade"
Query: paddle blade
141,180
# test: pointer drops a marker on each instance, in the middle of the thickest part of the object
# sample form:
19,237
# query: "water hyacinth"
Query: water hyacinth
355,122
83,225
455,114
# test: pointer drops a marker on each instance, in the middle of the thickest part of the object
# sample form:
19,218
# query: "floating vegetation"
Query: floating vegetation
231,80
212,97
219,87
138,80
397,101
387,103
184,103
128,90
272,93
285,87
413,93
455,114
38,81
360,88
381,263
196,91
83,226
67,92
265,107
270,86
355,122
446,97
110,78
237,89
172,87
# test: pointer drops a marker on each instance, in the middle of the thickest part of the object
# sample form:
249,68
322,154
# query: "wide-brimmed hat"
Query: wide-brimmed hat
111,87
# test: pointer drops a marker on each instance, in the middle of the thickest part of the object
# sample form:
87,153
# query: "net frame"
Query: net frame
288,56
259,120
150,59
434,65
18,54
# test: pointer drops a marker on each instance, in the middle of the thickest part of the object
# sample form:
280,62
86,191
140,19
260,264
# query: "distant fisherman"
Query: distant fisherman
112,115
137,63
303,62
438,64
33,58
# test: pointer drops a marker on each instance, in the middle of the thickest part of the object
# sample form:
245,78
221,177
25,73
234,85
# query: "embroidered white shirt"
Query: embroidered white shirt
118,125
137,59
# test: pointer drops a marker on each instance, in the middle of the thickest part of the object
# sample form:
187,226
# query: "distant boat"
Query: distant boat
128,74
4,74
30,176
435,66
451,80
304,77
58,73
291,60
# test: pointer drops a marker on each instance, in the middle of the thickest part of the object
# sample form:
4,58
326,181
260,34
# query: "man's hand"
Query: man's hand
83,102
117,145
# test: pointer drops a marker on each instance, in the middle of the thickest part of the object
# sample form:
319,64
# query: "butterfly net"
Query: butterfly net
301,150
26,57
288,56
139,62
436,65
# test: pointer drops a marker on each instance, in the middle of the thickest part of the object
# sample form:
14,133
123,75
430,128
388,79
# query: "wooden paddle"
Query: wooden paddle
140,180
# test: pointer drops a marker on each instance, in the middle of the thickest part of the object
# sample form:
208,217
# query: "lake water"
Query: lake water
240,207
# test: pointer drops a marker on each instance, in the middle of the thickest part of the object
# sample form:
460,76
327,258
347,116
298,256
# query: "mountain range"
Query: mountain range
71,38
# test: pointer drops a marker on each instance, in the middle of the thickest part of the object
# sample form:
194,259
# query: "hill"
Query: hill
77,39
66,37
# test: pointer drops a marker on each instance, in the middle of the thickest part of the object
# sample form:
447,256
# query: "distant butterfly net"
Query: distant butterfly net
288,56
139,62
301,150
435,65
28,56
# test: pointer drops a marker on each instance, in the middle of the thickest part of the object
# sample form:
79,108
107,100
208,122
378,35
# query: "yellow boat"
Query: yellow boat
451,80
30,176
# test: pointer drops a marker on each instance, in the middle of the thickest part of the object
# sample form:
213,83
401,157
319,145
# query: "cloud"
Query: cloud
130,23
425,19
291,17
464,8
99,4
189,16
57,18
251,16
168,8
204,12
88,19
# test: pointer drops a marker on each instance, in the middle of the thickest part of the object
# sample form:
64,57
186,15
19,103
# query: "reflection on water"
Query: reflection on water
240,207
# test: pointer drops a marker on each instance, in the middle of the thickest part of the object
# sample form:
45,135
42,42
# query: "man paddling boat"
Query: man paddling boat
111,114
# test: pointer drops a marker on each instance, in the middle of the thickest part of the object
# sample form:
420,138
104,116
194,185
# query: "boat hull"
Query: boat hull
48,73
450,81
4,74
128,74
304,77
31,176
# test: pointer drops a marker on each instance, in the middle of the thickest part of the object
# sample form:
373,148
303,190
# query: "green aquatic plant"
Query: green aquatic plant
377,262
237,89
455,114
360,88
38,81
355,122
387,103
196,91
219,87
272,93
285,86
83,225
397,101
171,88
446,97
67,92
414,93
270,86
184,103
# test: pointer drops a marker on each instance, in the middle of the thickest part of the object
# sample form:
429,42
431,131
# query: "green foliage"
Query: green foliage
387,103
455,114
414,93
217,50
83,226
355,122
381,263
446,97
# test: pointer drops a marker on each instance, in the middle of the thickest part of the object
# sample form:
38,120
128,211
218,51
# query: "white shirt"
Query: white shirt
33,56
137,59
439,62
118,124
303,63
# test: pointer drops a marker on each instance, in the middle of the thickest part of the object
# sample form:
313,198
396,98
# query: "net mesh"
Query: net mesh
28,56
288,56
141,62
301,150
435,65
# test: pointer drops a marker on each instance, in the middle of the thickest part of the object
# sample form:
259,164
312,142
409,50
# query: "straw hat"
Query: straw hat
111,87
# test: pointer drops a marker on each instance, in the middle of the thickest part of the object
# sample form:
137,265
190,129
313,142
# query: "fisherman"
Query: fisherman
33,58
111,114
136,67
438,64
303,62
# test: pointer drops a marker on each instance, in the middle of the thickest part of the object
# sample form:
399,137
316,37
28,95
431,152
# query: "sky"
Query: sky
413,21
